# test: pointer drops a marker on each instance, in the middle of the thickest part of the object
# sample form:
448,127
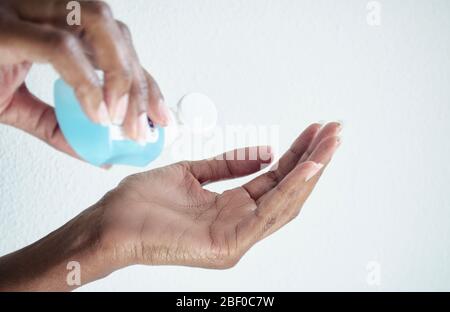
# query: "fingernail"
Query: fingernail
341,124
265,153
121,110
143,129
314,170
103,115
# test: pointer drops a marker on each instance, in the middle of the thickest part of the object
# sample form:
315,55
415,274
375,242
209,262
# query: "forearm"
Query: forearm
43,265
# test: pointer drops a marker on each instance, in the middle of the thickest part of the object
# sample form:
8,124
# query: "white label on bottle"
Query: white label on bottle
116,133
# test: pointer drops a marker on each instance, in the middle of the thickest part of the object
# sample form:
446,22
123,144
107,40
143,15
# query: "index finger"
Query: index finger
45,44
284,201
100,32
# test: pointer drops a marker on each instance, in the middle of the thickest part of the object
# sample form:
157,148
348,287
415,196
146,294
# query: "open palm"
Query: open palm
165,216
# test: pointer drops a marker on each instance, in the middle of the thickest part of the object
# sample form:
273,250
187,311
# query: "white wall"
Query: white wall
288,63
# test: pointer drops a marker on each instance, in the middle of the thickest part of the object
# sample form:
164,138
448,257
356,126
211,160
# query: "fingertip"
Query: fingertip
264,165
313,128
325,150
93,104
119,110
103,114
163,113
117,88
265,154
130,127
331,143
309,133
159,113
317,125
334,126
143,128
106,167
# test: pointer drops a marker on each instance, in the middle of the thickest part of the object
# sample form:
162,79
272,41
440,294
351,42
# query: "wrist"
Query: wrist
65,259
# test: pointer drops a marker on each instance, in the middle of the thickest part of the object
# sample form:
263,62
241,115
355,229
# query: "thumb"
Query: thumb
232,164
28,113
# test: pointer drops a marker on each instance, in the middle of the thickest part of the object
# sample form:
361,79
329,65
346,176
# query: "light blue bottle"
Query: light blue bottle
97,144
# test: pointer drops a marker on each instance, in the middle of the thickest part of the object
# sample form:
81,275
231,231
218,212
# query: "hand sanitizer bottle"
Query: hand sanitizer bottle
97,144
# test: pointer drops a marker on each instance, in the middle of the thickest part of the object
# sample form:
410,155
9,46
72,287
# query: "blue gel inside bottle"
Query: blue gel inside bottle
97,144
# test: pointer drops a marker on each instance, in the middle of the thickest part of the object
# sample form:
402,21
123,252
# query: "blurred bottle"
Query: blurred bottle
97,144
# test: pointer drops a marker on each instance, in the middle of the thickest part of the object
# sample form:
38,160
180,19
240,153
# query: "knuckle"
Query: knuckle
142,84
62,41
126,74
139,89
124,28
99,10
294,215
88,88
122,77
184,165
273,176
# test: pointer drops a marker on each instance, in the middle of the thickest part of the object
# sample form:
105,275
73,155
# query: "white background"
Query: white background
386,196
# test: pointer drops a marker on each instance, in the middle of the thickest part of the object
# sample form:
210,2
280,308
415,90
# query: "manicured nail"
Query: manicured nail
103,115
143,129
313,171
121,110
